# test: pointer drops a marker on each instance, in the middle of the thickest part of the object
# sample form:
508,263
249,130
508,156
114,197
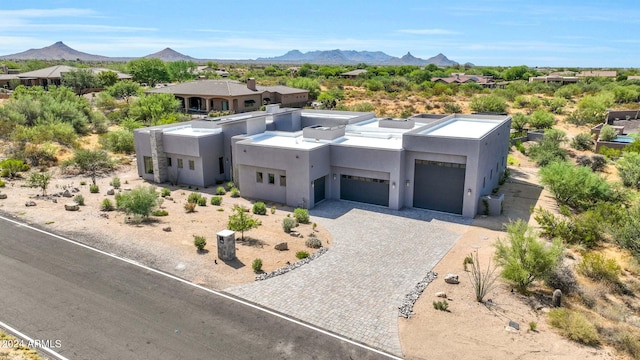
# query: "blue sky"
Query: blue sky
587,33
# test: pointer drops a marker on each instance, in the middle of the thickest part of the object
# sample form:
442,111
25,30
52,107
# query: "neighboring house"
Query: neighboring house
201,70
460,78
633,77
53,75
301,157
353,73
204,96
598,73
555,79
625,122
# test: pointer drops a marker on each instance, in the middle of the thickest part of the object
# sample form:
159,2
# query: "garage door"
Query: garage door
365,190
318,190
439,186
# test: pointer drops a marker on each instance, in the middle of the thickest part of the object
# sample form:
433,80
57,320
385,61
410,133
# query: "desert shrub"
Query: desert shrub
202,201
79,199
190,207
609,153
627,341
12,167
481,279
139,201
549,149
519,122
518,145
488,103
313,242
256,265
193,197
596,267
302,254
107,205
585,228
627,230
583,141
94,189
273,210
288,224
165,192
216,200
563,278
557,104
541,119
230,185
608,133
452,108
220,190
119,141
524,258
115,183
577,187
584,160
235,192
598,162
160,212
441,305
200,242
301,215
574,325
629,169
259,208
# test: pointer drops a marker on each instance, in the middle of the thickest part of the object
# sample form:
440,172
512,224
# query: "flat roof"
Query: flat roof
469,128
190,131
329,115
280,140
390,142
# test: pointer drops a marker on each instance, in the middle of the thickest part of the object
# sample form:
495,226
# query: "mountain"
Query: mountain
169,54
355,57
57,51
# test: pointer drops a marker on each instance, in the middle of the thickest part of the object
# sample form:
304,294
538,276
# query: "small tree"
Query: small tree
583,141
525,259
40,180
139,201
241,220
92,162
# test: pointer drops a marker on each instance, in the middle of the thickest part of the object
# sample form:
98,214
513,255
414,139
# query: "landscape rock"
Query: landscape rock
168,198
294,234
3,196
71,206
111,191
513,324
281,246
104,215
557,298
30,203
55,201
67,193
295,265
166,229
406,308
75,190
441,294
451,279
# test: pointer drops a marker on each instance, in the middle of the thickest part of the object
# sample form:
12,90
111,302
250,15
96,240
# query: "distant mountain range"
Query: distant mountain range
60,51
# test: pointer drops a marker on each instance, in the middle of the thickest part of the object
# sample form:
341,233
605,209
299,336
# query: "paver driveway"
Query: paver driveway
377,257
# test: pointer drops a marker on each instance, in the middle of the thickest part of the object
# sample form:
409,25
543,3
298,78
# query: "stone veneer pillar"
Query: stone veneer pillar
158,157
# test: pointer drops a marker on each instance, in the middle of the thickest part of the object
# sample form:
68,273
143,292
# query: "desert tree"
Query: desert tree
92,162
40,180
242,221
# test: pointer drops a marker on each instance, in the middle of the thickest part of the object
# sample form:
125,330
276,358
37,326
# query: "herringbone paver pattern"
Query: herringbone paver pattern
377,257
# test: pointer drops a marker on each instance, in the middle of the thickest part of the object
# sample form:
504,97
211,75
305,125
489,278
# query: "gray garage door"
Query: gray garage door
438,186
318,190
363,189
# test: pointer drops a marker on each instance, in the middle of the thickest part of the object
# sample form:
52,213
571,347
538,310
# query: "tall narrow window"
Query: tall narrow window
169,162
180,164
272,179
221,164
148,165
192,165
283,180
259,176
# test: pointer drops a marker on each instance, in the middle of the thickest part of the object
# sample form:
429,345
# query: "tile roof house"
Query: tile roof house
555,79
460,78
204,96
353,73
52,75
598,73
301,157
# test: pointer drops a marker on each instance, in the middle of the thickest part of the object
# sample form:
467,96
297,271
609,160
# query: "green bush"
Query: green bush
609,153
220,190
574,325
119,141
230,185
194,197
94,189
165,192
12,167
139,201
160,212
441,305
79,199
524,258
302,255
202,201
585,228
313,242
115,183
256,265
541,119
596,267
273,210
235,192
583,141
563,278
288,224
200,242
629,169
2,183
301,215
488,103
190,207
216,200
549,149
107,205
608,133
259,208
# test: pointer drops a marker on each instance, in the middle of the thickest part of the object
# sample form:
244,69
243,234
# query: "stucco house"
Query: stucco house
301,157
204,96
52,75
461,78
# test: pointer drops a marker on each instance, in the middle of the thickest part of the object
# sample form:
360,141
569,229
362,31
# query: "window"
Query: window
148,165
272,179
192,165
259,176
169,162
221,164
179,163
283,180
491,175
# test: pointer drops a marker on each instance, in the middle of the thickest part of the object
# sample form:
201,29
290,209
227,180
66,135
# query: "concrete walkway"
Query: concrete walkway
355,289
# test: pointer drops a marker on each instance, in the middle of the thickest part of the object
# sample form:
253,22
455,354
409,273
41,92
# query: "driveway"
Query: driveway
376,258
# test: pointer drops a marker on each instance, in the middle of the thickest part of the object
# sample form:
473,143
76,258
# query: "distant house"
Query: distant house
555,79
53,75
353,73
598,73
202,69
460,78
633,77
204,96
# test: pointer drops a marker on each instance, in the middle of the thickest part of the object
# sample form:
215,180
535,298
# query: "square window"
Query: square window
179,163
169,162
258,177
283,180
272,179
192,165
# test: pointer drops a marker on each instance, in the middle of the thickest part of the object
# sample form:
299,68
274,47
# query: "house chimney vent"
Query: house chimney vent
251,84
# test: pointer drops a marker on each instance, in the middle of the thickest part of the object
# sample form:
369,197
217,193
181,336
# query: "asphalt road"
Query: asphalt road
99,307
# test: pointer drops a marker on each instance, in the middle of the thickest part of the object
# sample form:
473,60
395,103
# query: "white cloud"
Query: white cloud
44,13
428,31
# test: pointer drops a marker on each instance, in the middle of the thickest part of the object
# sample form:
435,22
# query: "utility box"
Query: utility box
226,245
